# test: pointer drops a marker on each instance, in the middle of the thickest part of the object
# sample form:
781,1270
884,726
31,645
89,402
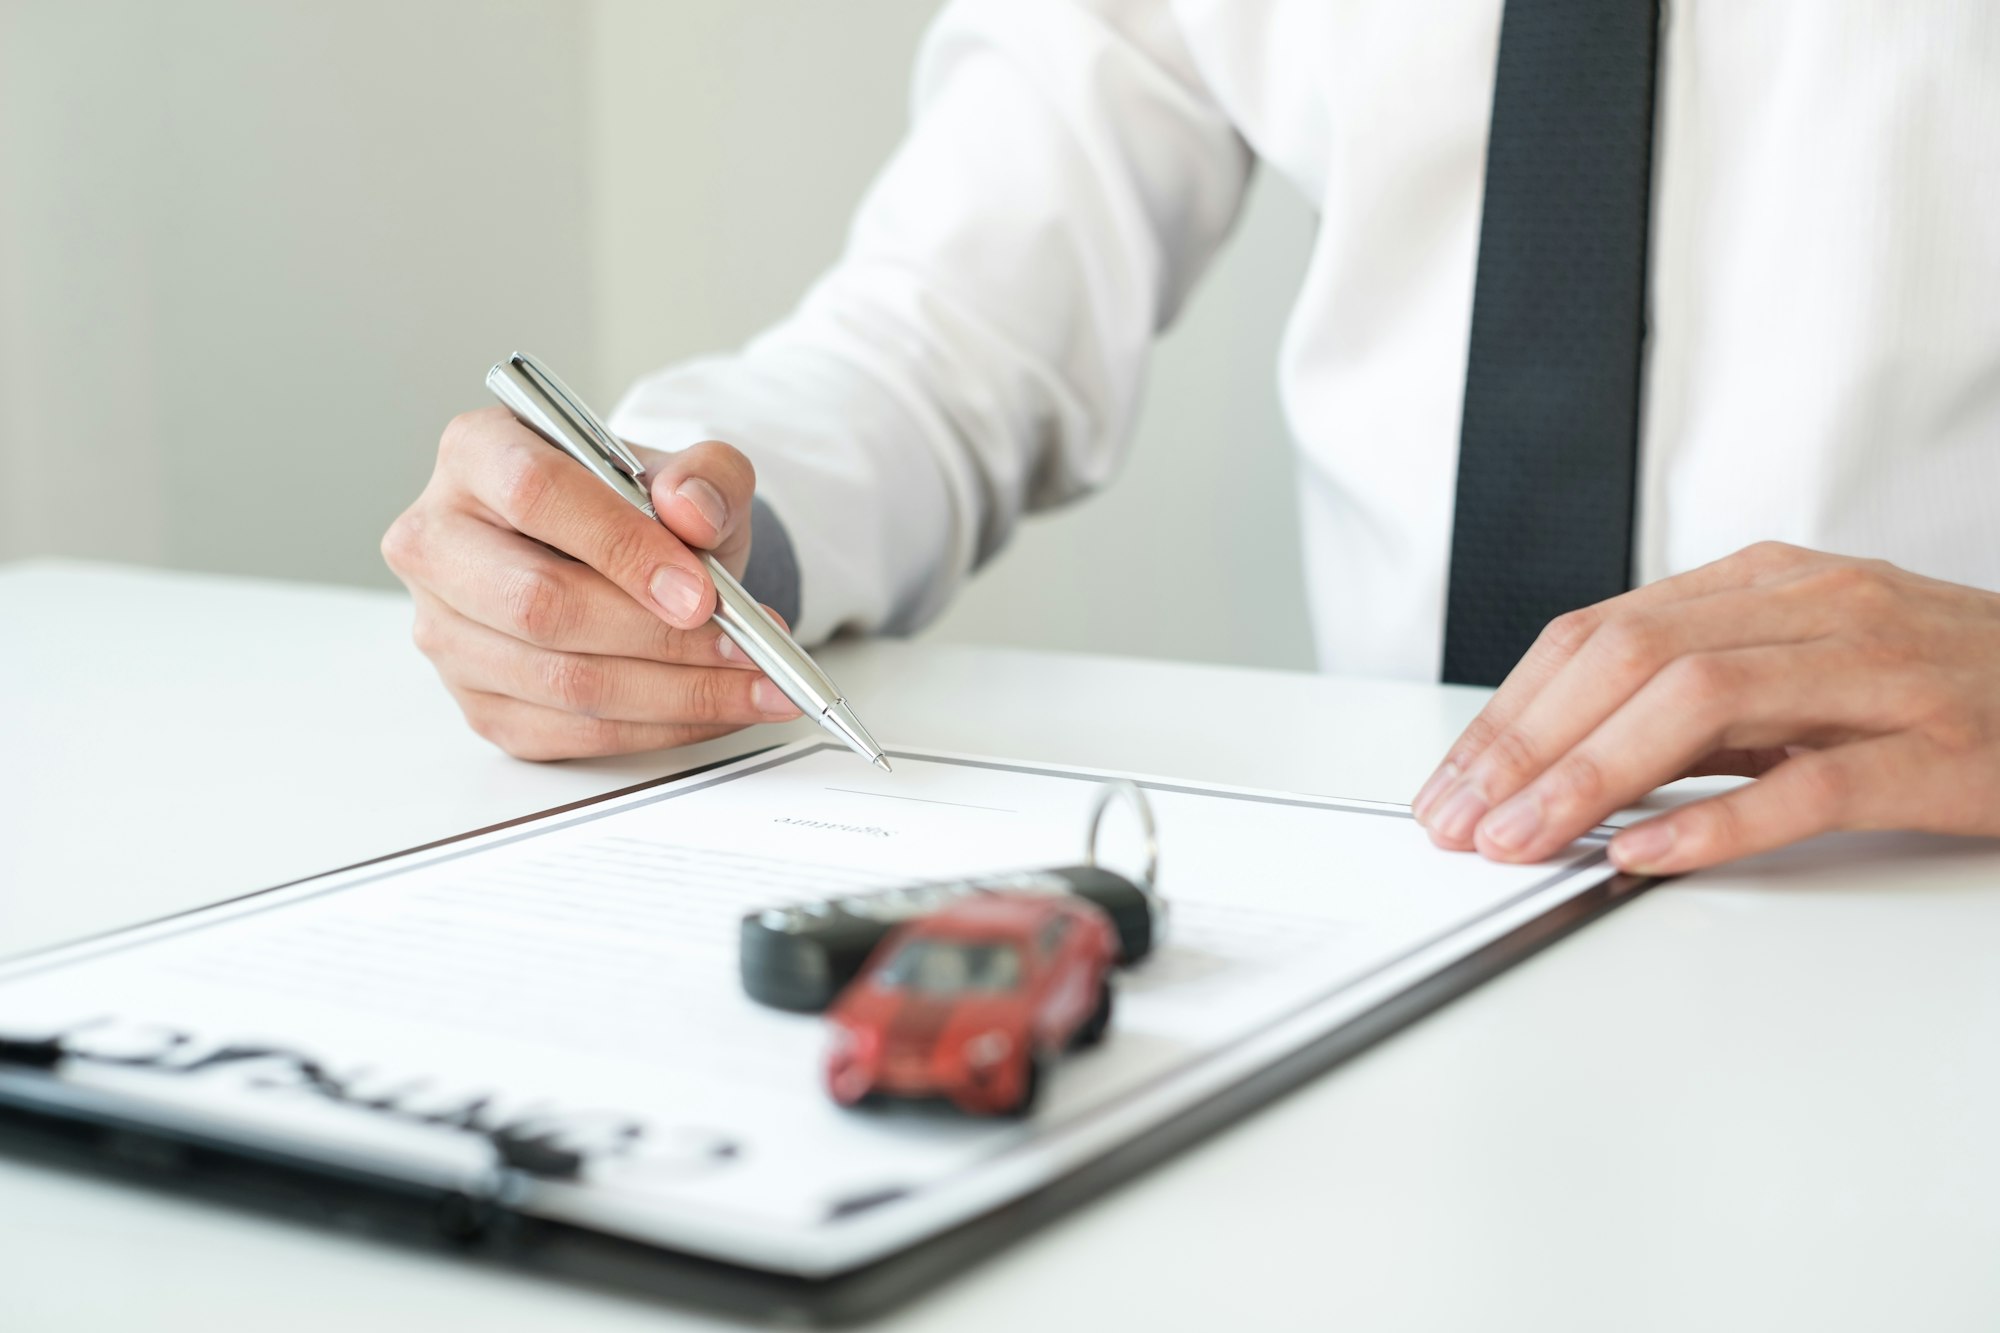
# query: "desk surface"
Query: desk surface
1762,1098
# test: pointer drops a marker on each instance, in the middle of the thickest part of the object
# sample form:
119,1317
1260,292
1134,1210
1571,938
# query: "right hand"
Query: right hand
564,621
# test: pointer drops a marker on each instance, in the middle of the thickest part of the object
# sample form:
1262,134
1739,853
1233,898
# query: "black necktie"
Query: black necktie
1549,443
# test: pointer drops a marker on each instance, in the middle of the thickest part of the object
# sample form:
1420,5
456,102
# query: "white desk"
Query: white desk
1766,1098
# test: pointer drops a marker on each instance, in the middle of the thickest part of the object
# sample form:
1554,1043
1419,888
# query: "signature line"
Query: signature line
925,800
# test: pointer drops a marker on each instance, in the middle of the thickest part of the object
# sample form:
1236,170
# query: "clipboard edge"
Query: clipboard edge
449,1222
12,960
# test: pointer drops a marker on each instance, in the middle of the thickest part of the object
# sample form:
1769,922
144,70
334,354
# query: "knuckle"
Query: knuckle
669,644
1864,593
527,482
1959,733
1631,645
738,475
1512,755
1873,595
488,723
589,737
427,633
485,726
537,745
1477,736
641,633
1578,781
1824,786
1839,581
524,743
403,543
537,607
1699,682
461,431
1568,632
1953,723
1771,555
693,733
710,696
722,460
519,738
452,438
624,551
574,683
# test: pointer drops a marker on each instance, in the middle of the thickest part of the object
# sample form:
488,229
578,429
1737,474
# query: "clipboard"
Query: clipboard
44,1117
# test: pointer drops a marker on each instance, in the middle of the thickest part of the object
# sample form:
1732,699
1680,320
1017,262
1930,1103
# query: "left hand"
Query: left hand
1859,695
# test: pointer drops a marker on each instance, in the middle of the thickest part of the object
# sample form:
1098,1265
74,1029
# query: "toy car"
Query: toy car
801,956
971,1003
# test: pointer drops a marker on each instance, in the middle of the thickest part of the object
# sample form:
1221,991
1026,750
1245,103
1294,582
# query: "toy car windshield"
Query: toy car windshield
946,967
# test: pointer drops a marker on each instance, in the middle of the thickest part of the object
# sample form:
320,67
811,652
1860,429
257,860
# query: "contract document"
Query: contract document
575,976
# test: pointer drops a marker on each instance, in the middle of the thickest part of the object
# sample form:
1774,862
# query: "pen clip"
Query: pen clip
580,418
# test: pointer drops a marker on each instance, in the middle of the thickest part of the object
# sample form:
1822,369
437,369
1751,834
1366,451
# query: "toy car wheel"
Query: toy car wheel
1031,1090
1093,1029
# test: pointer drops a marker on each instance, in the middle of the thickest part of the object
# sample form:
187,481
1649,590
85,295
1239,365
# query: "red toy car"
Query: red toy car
972,1002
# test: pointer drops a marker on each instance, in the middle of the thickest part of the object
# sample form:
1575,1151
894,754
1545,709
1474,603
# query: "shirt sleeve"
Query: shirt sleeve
979,348
772,573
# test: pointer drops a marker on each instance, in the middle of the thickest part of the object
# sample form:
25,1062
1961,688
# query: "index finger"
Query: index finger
527,484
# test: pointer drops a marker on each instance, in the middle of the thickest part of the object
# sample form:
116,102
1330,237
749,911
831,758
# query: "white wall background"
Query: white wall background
253,253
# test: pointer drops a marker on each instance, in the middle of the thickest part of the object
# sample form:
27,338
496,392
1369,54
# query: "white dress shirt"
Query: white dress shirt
1824,360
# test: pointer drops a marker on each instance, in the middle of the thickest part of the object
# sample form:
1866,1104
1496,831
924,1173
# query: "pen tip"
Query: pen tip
839,719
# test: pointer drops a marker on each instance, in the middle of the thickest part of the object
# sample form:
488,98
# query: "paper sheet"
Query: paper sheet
579,971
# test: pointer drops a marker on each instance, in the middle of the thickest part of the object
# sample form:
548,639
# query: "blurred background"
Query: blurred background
255,253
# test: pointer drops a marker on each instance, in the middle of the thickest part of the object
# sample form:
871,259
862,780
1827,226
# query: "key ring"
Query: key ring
1132,792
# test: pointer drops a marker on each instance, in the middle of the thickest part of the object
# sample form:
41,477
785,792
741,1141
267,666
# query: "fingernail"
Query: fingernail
1460,812
705,498
1643,846
1514,824
726,649
771,701
1432,789
678,593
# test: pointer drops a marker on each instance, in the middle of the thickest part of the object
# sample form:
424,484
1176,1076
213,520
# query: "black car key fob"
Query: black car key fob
800,957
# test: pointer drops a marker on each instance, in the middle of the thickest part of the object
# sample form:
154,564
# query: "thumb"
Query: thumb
703,495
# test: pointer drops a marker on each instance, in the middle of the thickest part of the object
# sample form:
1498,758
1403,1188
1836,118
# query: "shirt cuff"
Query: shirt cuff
772,576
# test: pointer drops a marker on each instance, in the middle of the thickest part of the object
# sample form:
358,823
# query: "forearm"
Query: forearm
979,349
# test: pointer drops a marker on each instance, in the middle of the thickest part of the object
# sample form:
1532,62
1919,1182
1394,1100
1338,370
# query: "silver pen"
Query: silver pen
546,406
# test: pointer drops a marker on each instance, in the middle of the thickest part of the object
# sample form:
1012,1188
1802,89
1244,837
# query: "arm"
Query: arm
979,349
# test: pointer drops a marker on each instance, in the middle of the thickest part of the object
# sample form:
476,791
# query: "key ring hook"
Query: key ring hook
1132,792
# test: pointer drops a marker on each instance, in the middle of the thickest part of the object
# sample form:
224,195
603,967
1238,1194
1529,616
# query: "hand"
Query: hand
1859,695
564,621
